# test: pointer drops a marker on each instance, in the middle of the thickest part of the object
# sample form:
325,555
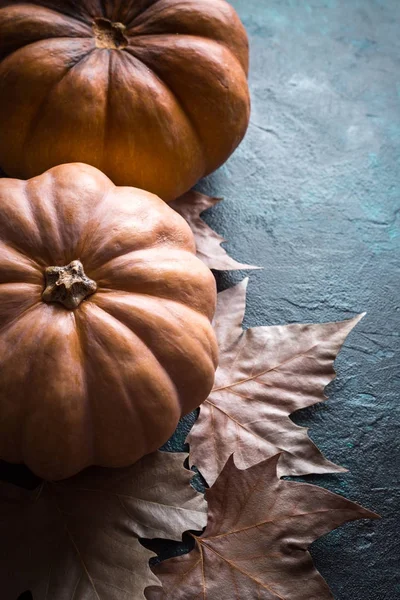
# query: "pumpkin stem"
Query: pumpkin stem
109,34
68,285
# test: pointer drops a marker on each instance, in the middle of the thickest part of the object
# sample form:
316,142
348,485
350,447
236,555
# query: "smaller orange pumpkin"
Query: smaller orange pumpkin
105,333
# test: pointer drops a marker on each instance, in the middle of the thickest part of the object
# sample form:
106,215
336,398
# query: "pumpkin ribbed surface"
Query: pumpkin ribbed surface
105,334
152,92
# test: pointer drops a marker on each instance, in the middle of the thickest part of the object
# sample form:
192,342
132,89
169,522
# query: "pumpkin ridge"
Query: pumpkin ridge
148,38
21,314
29,273
121,322
90,231
203,346
53,210
140,279
140,412
60,10
104,292
150,8
51,11
36,119
177,100
167,303
45,39
172,145
198,8
107,110
122,293
24,425
103,289
97,457
92,271
35,263
98,216
16,247
84,362
151,351
57,212
147,250
144,43
140,13
48,24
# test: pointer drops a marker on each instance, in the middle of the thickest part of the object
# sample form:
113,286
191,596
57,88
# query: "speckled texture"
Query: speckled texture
313,195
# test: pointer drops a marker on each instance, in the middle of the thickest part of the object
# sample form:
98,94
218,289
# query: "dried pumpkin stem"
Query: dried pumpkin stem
68,285
108,34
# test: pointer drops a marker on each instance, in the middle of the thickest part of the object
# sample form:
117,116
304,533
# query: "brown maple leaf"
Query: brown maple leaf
78,539
208,242
264,375
255,544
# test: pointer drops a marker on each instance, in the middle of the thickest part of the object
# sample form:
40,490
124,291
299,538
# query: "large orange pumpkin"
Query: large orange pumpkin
152,92
105,334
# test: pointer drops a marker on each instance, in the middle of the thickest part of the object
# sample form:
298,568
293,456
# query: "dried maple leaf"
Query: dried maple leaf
264,375
208,242
255,544
78,539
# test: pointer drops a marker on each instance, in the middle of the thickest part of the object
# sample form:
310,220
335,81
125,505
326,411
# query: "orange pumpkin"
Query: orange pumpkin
105,334
152,92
